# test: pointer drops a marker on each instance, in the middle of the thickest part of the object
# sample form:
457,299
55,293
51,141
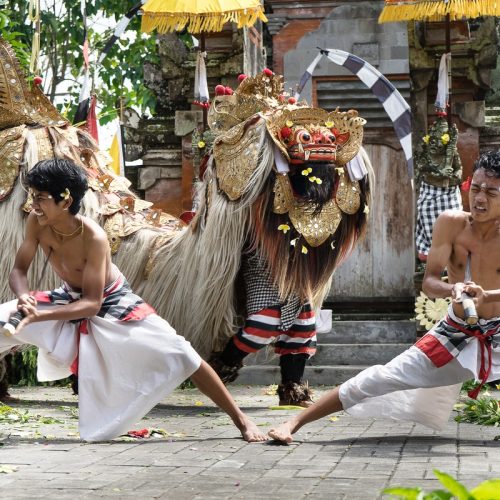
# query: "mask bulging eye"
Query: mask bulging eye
304,137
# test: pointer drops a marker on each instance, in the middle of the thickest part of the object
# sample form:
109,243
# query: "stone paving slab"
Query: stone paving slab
201,455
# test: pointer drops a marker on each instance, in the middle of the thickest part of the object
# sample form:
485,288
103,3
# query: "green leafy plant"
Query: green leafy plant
482,411
470,385
119,77
487,490
22,369
12,416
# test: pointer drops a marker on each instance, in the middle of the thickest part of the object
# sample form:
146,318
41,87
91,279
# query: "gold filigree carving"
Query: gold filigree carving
237,156
315,228
114,230
18,103
283,194
45,150
11,151
348,194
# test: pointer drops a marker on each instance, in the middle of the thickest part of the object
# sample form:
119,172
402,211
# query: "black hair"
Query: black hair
317,194
56,175
490,162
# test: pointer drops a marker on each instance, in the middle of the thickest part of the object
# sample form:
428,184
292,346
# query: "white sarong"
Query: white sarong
124,367
422,384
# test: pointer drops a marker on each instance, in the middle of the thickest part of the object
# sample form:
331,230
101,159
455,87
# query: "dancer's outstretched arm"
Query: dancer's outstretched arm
211,385
329,403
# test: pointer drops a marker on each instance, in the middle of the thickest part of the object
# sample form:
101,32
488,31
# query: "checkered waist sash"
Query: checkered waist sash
119,302
261,293
451,335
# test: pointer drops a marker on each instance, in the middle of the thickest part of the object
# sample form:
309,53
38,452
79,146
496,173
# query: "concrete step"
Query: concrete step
356,354
370,332
339,354
315,375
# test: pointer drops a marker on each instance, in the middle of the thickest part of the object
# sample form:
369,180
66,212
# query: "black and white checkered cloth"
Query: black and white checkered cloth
261,293
433,200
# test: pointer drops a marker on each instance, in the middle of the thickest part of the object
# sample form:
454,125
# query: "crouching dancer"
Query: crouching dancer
423,383
127,357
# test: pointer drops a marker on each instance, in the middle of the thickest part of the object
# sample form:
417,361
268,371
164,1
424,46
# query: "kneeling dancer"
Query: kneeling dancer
127,357
423,383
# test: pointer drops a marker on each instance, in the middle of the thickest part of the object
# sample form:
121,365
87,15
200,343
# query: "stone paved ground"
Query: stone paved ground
203,457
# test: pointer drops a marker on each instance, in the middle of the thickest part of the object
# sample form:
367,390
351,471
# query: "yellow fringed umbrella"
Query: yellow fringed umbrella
199,16
438,10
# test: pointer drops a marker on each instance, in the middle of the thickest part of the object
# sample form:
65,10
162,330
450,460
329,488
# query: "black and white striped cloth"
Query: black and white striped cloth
390,98
433,200
82,111
120,27
119,301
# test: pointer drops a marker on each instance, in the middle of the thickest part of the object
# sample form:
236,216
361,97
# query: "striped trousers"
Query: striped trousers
261,329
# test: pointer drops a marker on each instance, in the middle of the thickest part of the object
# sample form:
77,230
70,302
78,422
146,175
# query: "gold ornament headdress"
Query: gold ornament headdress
260,108
302,133
20,105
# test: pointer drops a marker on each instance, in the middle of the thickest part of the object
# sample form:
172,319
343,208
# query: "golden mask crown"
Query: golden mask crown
19,104
302,133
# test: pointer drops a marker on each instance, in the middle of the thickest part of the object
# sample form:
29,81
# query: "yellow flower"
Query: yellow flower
318,181
284,227
309,170
426,138
201,144
312,178
305,172
445,139
289,123
429,311
329,124
304,250
66,194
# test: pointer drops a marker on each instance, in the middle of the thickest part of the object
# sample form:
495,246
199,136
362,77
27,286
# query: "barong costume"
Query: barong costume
283,200
422,384
127,357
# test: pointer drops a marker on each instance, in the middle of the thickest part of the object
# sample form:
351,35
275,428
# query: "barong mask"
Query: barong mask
303,137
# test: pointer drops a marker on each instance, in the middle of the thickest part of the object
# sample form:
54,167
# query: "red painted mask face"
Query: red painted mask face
312,143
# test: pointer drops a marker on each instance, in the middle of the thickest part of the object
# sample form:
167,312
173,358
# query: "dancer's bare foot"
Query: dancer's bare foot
283,433
250,432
